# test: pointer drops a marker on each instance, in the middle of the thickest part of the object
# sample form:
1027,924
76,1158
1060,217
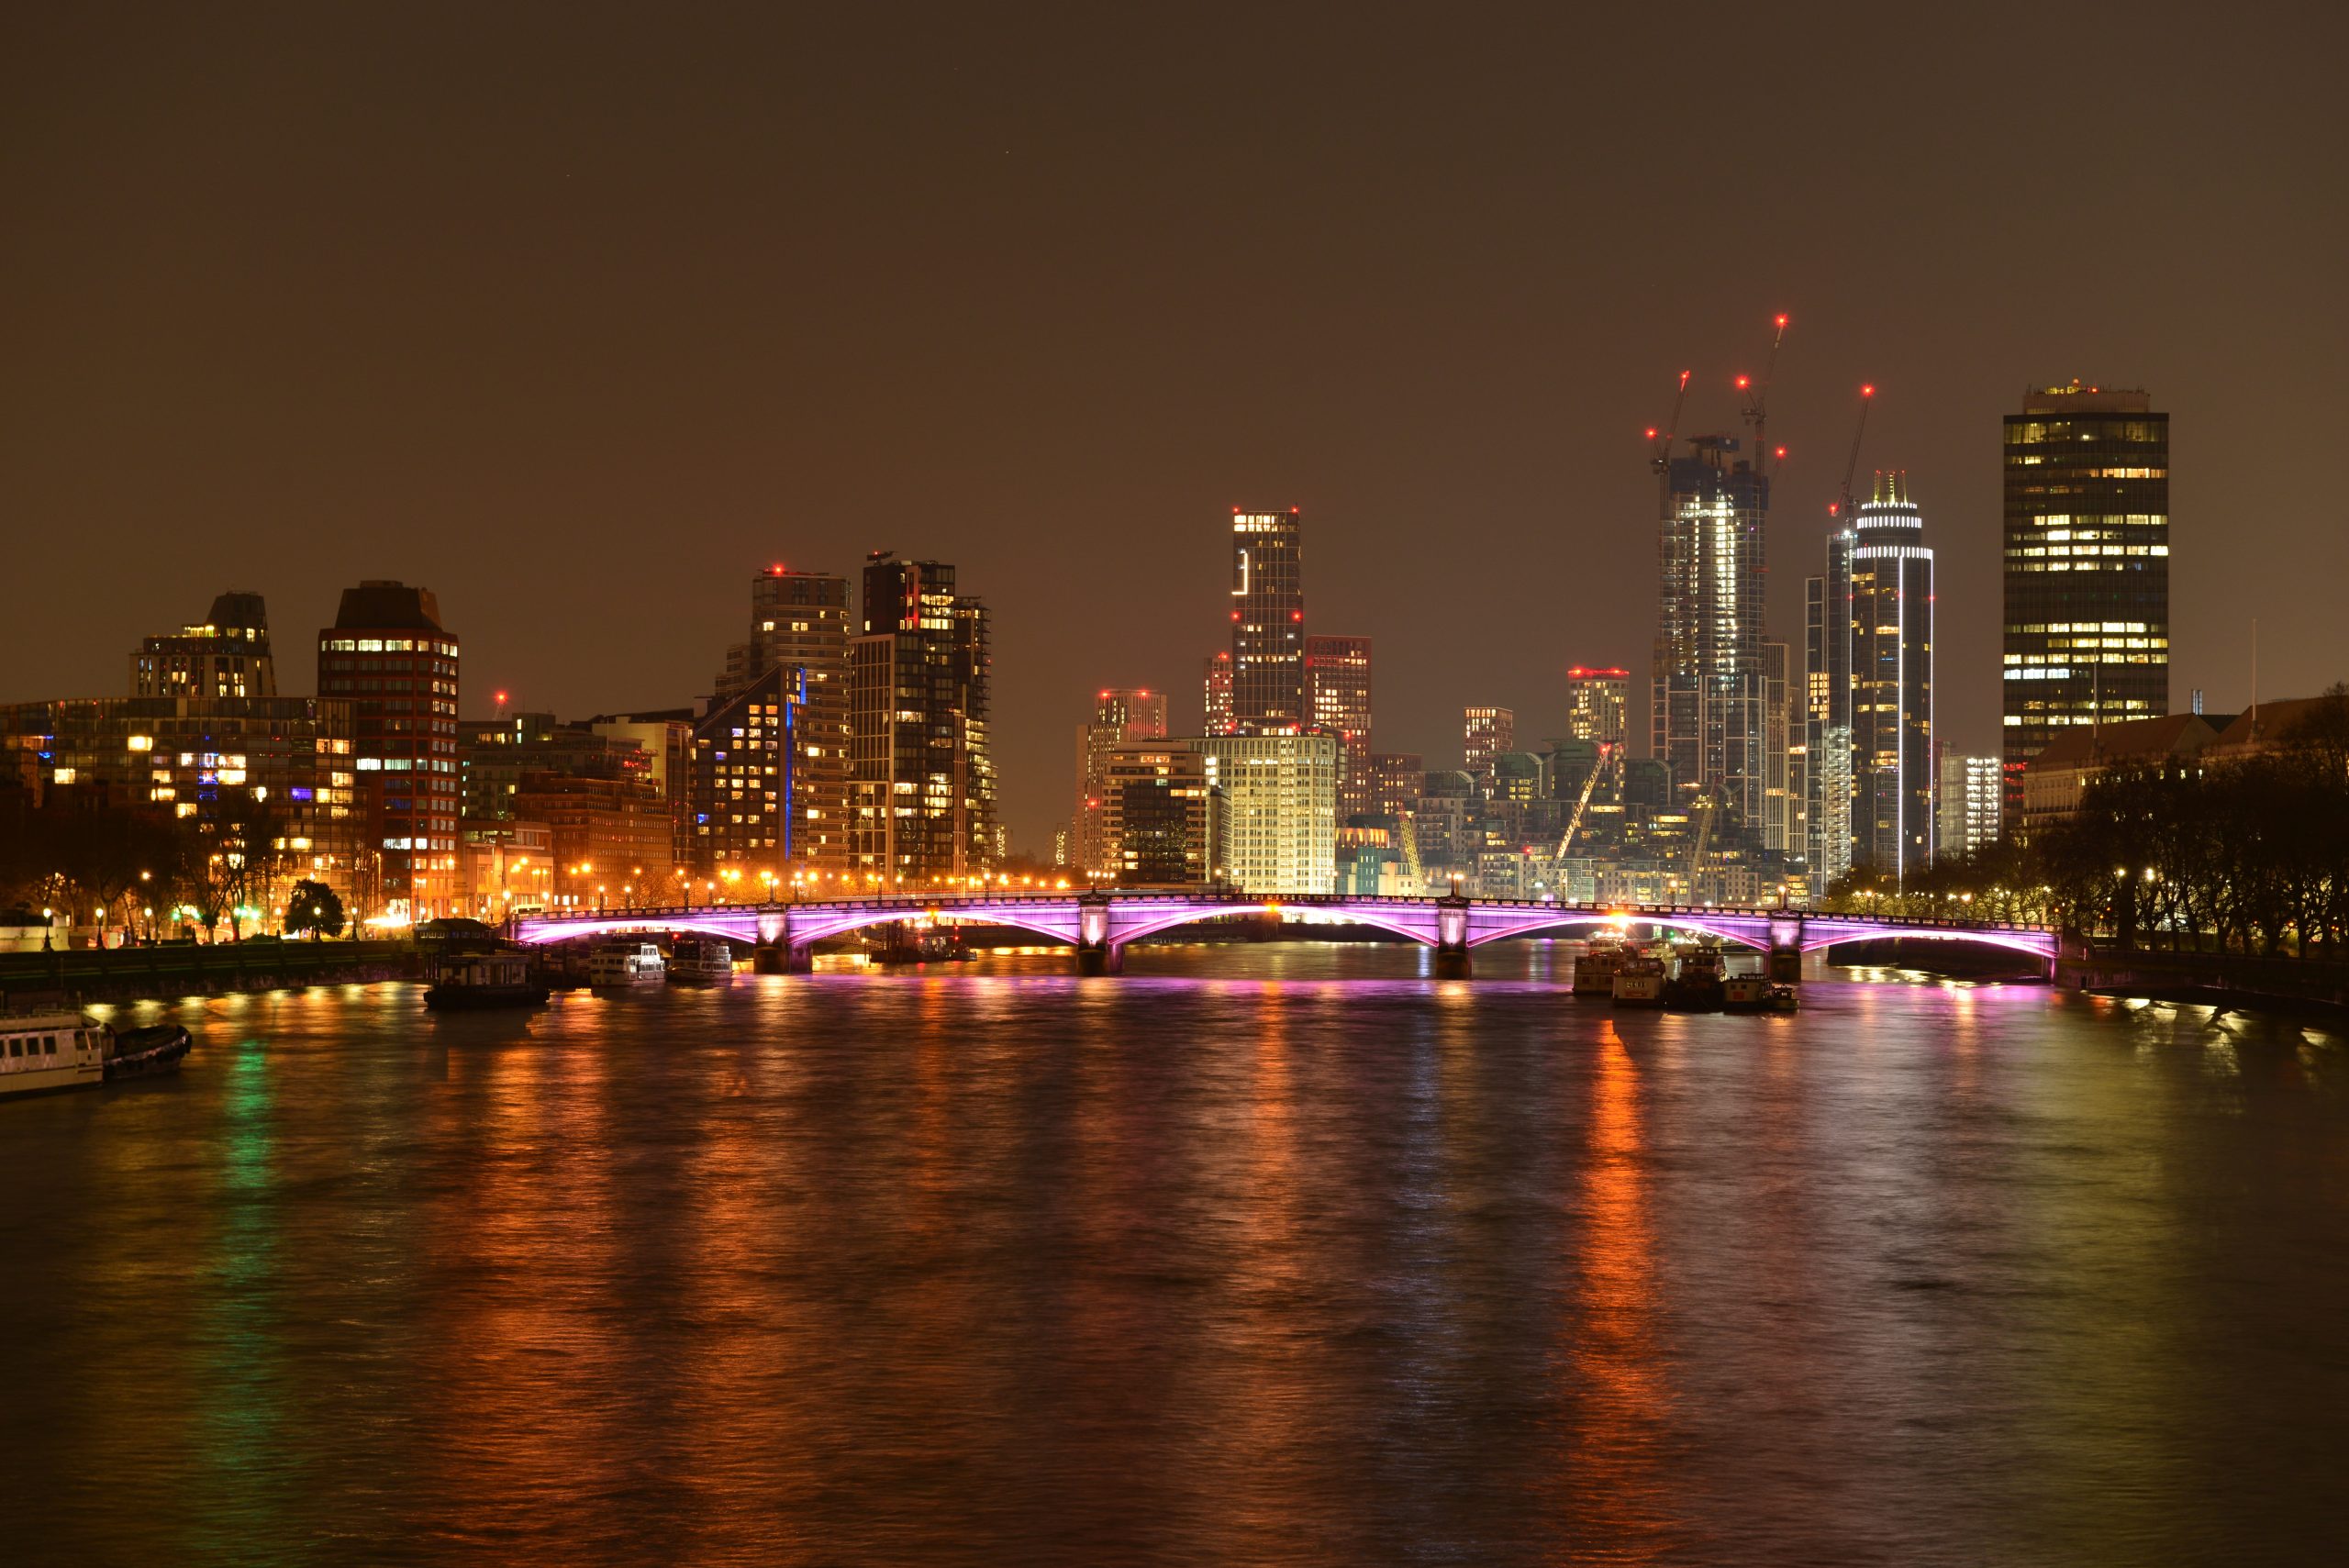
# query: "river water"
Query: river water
1260,1254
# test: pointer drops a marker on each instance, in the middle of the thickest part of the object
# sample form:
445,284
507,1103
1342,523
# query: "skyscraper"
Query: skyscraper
1120,714
1485,733
1705,691
1598,704
2087,568
921,777
1337,701
800,625
388,655
1782,813
1891,663
225,656
1216,689
1267,621
1827,686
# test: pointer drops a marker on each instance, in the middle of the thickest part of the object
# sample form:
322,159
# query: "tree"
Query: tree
314,907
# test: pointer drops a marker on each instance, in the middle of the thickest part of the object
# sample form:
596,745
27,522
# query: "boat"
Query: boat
44,1052
484,979
1595,968
1755,994
701,961
150,1052
626,964
1638,980
1698,986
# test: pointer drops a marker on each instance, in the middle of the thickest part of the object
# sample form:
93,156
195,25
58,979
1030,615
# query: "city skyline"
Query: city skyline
685,421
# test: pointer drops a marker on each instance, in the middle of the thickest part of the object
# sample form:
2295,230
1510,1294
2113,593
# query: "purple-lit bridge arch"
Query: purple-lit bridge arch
1099,925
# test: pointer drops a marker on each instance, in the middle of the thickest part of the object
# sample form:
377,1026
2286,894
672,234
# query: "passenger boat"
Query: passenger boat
1696,987
42,1053
1638,980
1595,968
626,964
150,1052
701,961
485,980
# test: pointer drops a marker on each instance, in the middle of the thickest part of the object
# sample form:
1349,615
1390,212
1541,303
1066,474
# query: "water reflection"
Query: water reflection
1255,1254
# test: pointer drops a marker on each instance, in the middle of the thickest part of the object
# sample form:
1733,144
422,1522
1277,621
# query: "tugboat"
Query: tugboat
1698,987
150,1052
1594,970
485,980
701,961
46,1051
1639,980
616,965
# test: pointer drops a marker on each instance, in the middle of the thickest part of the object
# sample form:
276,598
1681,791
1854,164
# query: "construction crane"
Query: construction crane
1842,508
1660,440
1607,753
1757,399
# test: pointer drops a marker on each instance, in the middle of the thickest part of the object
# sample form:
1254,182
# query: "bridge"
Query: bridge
1101,926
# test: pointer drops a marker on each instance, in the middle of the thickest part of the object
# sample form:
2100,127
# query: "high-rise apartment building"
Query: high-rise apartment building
1706,695
1337,701
1485,734
1119,714
741,785
1890,625
227,655
1598,704
2087,568
1969,805
800,621
1267,620
1827,689
1782,814
921,775
1162,821
388,655
1215,691
1397,780
1280,811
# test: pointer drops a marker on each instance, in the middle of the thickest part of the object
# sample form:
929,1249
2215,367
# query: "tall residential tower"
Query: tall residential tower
1267,621
1706,694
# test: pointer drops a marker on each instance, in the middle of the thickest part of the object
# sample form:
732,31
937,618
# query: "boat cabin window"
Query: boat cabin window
49,1045
15,1046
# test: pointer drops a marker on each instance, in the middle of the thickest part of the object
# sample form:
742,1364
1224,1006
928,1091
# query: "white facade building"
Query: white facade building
1280,811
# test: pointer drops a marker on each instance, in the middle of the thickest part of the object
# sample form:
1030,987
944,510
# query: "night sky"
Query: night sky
580,317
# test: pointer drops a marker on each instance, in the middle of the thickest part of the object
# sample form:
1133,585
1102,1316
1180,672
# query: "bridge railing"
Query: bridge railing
918,902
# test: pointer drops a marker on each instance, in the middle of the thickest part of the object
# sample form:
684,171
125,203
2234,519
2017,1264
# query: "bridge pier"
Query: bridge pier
1785,966
776,953
1096,953
1452,939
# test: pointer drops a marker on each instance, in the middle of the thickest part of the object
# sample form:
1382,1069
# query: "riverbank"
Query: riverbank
145,973
2237,983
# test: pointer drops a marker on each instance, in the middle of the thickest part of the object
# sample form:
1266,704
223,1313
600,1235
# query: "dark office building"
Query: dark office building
1267,621
2088,568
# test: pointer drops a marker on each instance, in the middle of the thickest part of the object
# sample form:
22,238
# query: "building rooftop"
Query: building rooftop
2083,745
383,604
2079,399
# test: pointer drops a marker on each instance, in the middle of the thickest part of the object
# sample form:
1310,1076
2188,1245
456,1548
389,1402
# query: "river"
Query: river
1255,1254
